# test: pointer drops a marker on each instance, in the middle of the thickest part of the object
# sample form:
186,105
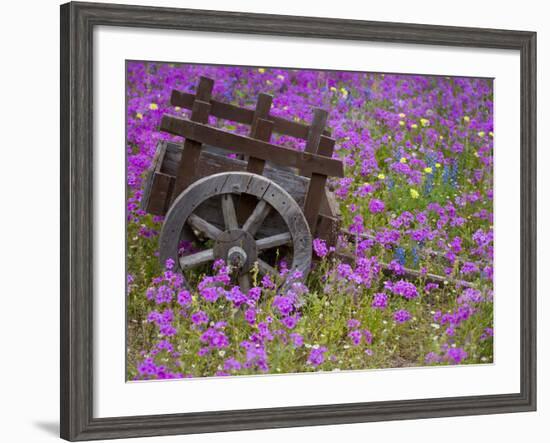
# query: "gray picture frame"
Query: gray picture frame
77,218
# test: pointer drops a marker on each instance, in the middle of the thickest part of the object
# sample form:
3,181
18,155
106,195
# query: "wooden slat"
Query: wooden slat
229,215
245,116
317,183
203,226
274,241
260,212
263,106
266,268
318,123
248,146
192,148
262,131
196,259
160,192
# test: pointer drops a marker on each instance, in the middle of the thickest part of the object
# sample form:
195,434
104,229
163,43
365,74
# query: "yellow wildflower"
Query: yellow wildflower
438,165
344,92
333,89
491,133
401,123
466,118
401,115
139,115
428,170
177,109
381,176
424,122
281,77
402,160
481,134
153,106
414,193
414,126
261,70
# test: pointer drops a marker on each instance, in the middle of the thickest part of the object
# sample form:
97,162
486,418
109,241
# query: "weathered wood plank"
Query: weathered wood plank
196,259
317,183
266,268
262,131
201,225
192,148
229,214
274,241
245,116
260,212
248,146
315,131
161,189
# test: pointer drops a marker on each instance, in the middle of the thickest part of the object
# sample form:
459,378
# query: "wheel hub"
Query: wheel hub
237,248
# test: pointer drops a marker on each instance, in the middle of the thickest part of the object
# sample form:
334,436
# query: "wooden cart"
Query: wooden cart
234,209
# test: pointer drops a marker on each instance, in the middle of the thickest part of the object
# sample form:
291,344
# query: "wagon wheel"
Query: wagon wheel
237,245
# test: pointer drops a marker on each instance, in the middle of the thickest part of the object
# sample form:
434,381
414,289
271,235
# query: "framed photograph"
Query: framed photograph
272,221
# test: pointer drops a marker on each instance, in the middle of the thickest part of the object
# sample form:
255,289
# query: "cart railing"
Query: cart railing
315,162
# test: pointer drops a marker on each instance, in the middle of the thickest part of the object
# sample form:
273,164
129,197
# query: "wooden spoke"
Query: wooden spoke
203,226
244,282
257,217
229,214
266,268
197,259
274,241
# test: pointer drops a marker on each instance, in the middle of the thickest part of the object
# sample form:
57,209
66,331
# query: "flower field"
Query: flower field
416,199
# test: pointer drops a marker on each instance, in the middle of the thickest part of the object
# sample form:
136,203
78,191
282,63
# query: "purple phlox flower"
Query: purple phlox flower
431,286
236,296
297,340
396,267
255,355
267,283
165,345
231,364
184,298
468,268
291,321
380,300
199,318
470,295
283,304
169,263
320,247
376,206
456,355
317,356
250,316
355,336
405,289
432,357
214,338
402,316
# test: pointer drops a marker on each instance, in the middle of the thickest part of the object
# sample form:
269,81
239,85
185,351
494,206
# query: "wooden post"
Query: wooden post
260,129
192,149
317,181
